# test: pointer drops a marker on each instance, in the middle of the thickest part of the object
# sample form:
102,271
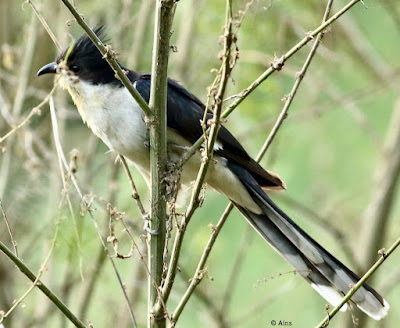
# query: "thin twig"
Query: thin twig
66,193
199,274
13,241
384,255
87,205
32,277
299,79
35,111
200,268
194,201
35,282
135,194
277,64
45,25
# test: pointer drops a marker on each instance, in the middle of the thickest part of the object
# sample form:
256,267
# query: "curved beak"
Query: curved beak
49,68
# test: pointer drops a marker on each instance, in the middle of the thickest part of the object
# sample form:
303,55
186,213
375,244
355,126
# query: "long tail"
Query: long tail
326,274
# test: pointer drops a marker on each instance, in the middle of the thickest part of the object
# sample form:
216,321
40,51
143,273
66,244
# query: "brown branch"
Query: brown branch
135,194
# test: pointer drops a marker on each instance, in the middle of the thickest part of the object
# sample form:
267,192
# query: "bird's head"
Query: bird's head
84,63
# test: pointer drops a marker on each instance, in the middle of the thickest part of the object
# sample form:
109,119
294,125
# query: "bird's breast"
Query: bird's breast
115,117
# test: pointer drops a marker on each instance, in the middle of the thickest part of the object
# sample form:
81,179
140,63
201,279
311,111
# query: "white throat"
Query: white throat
114,116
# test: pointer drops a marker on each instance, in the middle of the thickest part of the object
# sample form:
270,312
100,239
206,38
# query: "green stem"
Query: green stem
32,277
158,156
194,201
278,64
243,95
325,322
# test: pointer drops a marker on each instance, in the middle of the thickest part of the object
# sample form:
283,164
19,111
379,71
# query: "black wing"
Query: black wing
184,112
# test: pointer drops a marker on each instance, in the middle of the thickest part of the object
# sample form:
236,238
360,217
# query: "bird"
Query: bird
113,115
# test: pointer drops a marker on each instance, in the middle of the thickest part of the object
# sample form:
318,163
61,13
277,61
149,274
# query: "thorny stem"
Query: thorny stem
32,277
195,201
199,273
157,122
35,282
87,205
135,194
275,66
384,255
35,111
299,79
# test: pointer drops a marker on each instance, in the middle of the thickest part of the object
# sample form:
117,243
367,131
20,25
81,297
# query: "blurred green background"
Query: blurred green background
327,151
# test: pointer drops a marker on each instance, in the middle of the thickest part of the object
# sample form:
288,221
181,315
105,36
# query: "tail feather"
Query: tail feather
288,250
326,274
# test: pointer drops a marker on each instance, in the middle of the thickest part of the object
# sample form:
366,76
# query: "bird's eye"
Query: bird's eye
74,68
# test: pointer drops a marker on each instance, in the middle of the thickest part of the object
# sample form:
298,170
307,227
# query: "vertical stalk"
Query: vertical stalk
194,201
158,155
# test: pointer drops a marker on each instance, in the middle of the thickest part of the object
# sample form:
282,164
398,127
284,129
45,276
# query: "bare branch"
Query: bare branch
383,256
275,66
87,205
299,78
135,194
199,271
279,62
194,201
13,241
36,282
45,25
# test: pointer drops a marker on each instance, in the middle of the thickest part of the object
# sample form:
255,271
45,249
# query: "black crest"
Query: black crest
86,61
